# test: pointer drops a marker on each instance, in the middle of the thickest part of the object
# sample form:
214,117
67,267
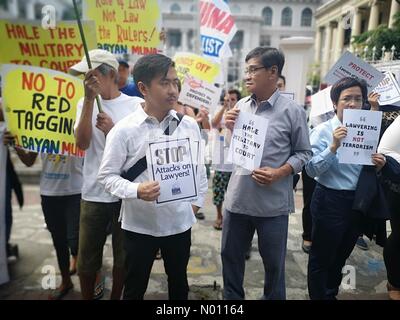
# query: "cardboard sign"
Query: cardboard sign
171,164
388,89
248,138
126,26
350,66
40,108
363,128
198,93
27,43
192,65
217,28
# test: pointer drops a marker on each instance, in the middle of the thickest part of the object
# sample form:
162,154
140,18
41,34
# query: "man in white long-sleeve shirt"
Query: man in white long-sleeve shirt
148,227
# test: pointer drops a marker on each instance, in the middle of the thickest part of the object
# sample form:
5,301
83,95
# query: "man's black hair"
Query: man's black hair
237,92
268,56
283,78
151,66
347,83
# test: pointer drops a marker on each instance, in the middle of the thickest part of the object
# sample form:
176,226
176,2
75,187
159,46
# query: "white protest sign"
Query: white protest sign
247,144
350,66
217,28
388,89
321,107
4,277
198,93
363,128
171,164
289,95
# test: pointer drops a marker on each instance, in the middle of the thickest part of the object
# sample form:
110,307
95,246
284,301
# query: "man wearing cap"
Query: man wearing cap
124,86
99,209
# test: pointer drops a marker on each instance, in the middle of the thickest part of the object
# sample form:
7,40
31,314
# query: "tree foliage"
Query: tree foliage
379,37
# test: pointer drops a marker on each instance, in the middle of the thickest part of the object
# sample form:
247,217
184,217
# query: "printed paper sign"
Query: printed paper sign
350,66
171,164
27,43
189,64
321,107
40,108
388,89
126,26
198,93
248,138
363,128
217,28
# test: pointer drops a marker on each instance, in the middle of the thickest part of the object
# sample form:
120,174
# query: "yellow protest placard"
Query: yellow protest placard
40,108
189,64
126,26
27,43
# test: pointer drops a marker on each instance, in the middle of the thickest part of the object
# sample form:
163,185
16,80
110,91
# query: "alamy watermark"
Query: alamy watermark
49,17
49,278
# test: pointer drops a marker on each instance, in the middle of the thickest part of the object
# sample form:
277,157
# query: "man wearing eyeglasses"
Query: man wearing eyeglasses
262,200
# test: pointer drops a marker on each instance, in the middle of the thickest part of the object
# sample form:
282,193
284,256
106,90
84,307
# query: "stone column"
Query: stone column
13,7
374,15
30,10
327,50
356,27
184,43
394,8
317,45
298,56
339,40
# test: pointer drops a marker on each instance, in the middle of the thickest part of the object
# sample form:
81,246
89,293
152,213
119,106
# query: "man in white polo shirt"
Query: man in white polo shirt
148,227
99,209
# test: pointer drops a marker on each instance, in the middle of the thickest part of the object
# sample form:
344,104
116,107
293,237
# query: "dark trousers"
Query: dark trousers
237,233
391,252
61,214
308,190
140,252
335,230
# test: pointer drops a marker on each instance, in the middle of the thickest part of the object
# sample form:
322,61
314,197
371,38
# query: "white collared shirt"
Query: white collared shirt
117,109
128,142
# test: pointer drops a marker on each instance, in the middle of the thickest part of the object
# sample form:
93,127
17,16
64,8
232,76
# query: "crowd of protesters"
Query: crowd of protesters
85,200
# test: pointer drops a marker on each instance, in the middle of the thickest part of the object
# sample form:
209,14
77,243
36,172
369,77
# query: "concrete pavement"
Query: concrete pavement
204,271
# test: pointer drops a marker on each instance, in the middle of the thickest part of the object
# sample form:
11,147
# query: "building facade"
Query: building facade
337,21
258,23
32,9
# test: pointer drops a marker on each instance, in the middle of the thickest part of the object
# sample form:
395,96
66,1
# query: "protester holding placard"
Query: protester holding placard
60,188
336,226
147,225
390,146
222,169
99,209
263,199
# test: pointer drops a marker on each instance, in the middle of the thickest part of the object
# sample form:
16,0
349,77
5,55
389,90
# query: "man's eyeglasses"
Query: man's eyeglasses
357,100
252,70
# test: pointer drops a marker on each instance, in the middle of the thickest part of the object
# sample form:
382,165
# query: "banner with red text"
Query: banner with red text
351,66
40,108
126,26
217,28
27,43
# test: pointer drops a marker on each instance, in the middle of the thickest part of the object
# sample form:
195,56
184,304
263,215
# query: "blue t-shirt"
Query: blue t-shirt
131,90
